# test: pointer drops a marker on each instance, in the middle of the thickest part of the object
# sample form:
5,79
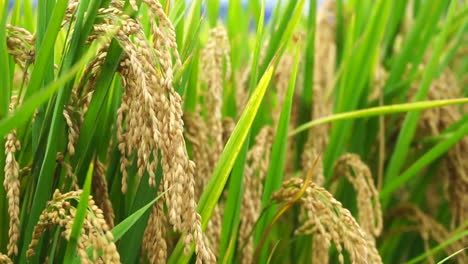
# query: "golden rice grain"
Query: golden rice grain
4,259
101,192
20,45
154,239
12,188
358,174
72,131
149,119
326,216
95,232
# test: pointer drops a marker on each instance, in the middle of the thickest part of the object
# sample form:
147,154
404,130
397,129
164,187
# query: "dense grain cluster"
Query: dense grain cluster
324,215
368,203
101,192
95,232
204,128
216,68
4,259
12,188
138,123
154,240
20,44
149,119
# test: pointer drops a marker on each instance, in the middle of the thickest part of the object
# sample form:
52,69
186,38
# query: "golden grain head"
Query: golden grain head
358,174
12,188
95,232
326,216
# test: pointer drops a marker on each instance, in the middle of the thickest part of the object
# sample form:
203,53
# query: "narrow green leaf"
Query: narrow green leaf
429,157
78,222
218,180
213,11
439,247
119,230
277,160
408,129
379,110
47,47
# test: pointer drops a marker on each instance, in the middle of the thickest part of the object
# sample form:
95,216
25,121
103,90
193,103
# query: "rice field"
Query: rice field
158,131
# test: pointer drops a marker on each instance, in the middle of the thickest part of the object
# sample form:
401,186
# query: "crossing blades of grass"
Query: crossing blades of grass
22,114
408,129
231,220
218,180
429,157
123,227
278,158
80,216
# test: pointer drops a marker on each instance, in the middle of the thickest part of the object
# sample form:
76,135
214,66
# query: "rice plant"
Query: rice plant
158,131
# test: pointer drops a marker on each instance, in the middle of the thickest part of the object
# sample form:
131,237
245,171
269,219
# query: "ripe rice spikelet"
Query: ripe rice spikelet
326,216
358,174
149,119
101,192
12,188
95,232
154,240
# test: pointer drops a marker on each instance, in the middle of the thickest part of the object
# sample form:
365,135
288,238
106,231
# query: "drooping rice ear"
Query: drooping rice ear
95,232
12,187
101,192
154,239
149,119
358,174
324,215
21,46
4,259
